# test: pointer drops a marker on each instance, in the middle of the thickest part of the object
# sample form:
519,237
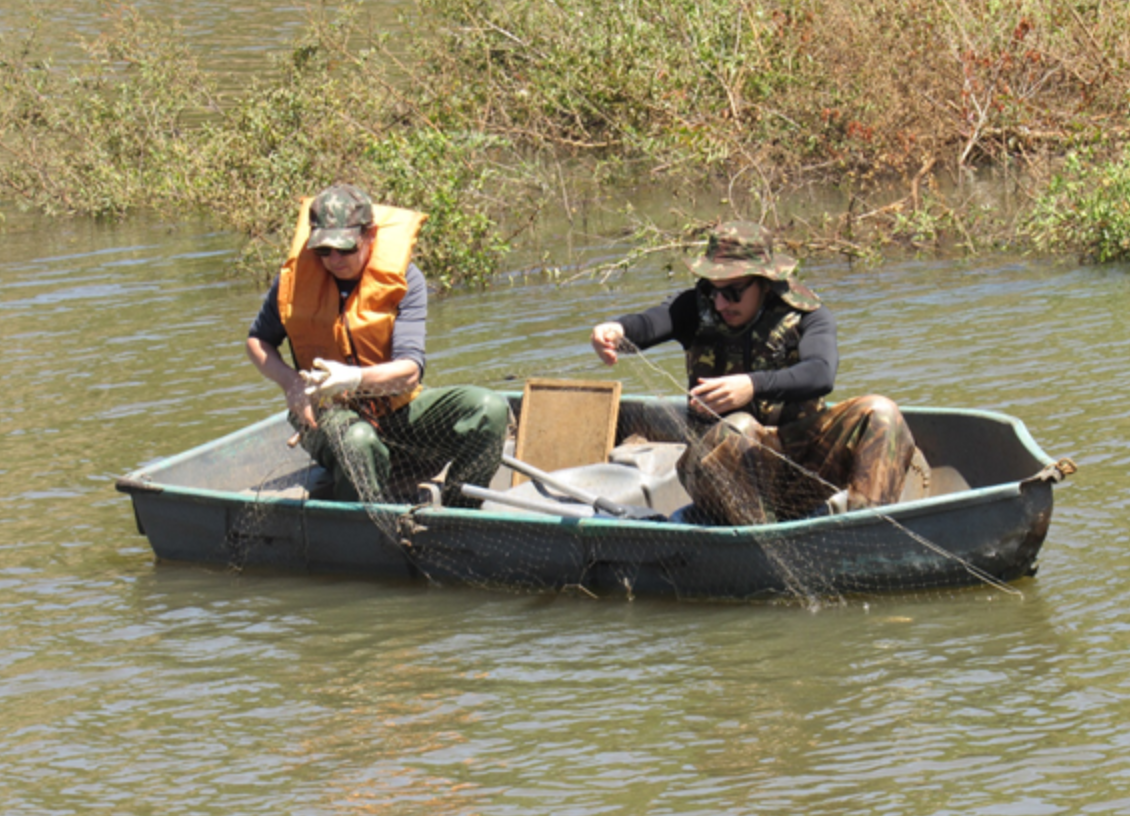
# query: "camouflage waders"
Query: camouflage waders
743,473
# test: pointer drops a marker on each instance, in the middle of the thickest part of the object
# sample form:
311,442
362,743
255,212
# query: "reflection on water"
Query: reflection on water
132,687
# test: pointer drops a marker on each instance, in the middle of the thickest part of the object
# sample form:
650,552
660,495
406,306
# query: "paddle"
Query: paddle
550,508
597,503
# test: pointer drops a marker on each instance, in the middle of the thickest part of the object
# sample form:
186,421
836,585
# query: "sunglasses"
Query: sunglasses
324,252
731,294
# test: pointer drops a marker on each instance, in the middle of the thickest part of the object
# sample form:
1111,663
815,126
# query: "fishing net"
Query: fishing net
622,524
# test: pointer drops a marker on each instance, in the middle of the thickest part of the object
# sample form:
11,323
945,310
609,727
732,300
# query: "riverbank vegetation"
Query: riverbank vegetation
943,125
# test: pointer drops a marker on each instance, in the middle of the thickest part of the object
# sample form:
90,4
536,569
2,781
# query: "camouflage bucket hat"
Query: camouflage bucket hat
338,216
739,248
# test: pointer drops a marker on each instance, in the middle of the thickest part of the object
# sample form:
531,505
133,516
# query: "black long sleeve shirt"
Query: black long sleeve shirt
677,318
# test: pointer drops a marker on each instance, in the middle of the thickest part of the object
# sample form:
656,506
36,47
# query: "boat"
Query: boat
251,501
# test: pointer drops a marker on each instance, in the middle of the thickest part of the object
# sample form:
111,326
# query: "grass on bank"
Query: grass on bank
483,103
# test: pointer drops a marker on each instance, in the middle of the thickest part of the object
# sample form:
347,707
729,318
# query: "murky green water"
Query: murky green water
130,687
127,686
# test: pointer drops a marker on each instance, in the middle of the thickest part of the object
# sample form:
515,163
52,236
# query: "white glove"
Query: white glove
328,379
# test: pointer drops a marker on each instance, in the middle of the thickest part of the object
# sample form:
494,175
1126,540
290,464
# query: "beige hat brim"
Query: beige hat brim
780,276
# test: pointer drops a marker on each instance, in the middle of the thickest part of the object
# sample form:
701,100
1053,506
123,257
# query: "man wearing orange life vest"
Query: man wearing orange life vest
353,307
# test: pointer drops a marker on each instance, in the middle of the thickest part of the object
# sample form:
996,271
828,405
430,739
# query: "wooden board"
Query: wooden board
566,423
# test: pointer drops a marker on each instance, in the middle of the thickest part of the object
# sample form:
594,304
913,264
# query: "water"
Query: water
232,39
131,687
127,686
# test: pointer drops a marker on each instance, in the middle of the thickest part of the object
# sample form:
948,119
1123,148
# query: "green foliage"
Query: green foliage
1085,209
284,137
141,127
769,86
474,113
638,75
920,227
438,174
98,141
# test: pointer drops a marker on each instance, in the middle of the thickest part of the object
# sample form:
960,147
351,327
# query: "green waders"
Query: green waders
461,425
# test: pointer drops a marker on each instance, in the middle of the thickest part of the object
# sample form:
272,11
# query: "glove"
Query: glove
330,379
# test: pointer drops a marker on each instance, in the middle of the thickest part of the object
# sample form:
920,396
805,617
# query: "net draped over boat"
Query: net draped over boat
621,526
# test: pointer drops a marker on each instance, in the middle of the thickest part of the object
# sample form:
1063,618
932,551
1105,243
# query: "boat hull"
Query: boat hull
989,533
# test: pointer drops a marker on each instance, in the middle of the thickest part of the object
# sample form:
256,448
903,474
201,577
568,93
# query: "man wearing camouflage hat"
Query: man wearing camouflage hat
761,352
353,307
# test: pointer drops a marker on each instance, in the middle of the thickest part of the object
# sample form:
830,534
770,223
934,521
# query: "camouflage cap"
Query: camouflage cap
739,248
338,216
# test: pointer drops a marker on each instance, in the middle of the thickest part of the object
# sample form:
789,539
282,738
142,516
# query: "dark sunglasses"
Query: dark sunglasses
324,252
732,293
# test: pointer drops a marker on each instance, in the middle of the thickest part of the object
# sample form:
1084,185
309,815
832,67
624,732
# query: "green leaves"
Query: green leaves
1085,209
142,127
445,177
475,110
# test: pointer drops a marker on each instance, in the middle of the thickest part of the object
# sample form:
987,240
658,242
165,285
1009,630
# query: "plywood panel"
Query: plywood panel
566,423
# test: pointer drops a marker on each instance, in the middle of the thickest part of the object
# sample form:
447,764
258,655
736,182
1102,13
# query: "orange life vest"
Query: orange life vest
358,331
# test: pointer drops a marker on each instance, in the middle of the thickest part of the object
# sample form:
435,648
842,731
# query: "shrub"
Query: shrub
483,103
1085,209
444,177
141,127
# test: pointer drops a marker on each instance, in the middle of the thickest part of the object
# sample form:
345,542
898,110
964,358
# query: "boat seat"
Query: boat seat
917,484
617,483
944,480
638,474
656,461
924,481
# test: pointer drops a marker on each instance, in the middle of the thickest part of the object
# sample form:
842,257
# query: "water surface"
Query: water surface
129,686
133,687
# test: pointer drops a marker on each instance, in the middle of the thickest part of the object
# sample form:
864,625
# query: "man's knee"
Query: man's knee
887,422
881,408
360,437
489,409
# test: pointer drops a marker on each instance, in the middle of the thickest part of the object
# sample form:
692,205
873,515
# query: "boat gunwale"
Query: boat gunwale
143,481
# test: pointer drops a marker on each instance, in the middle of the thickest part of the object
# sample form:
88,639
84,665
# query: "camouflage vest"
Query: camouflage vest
771,342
